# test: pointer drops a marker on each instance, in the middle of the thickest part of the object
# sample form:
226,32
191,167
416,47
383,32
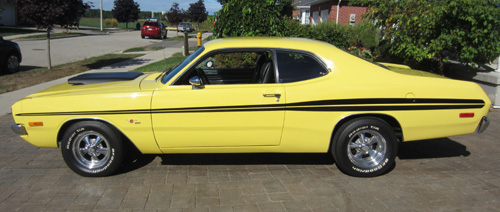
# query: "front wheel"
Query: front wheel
92,149
12,64
365,147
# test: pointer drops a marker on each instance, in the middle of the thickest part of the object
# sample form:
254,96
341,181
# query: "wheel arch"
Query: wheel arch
393,122
70,122
16,53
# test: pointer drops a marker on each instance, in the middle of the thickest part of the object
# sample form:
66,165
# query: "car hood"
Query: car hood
105,86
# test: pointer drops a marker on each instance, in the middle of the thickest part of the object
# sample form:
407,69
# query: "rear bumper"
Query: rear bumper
151,33
485,122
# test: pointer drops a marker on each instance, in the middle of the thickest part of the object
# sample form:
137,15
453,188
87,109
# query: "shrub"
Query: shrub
111,22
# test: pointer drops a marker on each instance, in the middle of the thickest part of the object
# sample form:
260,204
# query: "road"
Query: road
78,48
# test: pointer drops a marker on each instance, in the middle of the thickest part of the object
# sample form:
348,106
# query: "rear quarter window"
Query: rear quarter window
297,66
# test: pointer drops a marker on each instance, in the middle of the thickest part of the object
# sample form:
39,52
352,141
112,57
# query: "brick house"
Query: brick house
301,10
334,10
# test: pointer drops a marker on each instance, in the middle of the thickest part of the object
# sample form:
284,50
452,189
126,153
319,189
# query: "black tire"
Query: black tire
142,36
12,64
365,147
92,149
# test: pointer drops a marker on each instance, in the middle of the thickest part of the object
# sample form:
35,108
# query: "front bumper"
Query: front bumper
19,129
485,122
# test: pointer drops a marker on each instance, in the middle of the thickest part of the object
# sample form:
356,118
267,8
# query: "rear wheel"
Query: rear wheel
365,147
92,149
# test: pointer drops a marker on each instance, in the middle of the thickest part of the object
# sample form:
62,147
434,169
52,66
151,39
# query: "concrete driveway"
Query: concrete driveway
78,48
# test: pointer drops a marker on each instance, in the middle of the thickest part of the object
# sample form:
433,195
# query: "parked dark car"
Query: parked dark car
153,29
10,56
185,27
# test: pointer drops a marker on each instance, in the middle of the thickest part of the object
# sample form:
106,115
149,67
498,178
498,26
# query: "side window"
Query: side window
237,67
294,67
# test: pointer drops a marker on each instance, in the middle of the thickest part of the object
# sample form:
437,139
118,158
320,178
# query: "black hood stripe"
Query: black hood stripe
323,105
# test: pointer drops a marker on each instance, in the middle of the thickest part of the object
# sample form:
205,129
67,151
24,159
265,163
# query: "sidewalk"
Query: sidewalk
8,99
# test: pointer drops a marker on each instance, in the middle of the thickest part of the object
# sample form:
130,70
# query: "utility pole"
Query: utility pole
101,16
498,64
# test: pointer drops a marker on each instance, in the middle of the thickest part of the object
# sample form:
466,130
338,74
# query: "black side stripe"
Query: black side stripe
323,105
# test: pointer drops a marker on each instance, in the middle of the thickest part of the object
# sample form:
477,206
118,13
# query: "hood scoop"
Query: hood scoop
94,78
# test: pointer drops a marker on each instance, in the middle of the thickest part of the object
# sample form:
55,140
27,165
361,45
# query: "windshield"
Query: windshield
181,66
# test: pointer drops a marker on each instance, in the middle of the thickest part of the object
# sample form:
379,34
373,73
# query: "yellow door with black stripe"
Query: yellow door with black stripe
228,115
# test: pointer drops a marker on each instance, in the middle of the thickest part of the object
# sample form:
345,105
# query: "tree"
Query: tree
175,15
197,12
250,18
72,16
126,11
44,14
462,30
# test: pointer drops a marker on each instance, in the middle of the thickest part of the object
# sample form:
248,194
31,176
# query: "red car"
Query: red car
153,28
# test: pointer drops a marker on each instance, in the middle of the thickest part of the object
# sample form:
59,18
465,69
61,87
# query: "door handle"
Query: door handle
276,95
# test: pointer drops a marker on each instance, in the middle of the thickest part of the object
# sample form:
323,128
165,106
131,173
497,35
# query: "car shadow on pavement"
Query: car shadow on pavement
247,159
432,148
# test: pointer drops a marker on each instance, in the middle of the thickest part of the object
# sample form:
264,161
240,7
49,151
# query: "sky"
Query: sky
160,5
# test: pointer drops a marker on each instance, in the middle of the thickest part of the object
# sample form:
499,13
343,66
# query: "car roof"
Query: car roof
268,42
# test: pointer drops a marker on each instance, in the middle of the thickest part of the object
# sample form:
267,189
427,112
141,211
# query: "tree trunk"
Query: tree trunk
441,64
48,49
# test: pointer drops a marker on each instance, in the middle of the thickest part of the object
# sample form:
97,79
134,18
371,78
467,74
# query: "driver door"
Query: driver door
234,112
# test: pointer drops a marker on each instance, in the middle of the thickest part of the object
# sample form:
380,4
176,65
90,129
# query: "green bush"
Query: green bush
111,22
327,32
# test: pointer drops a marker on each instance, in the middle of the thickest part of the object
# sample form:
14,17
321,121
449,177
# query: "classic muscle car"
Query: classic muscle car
251,95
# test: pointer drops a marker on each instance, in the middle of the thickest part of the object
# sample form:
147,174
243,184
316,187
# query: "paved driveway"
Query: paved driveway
452,174
78,48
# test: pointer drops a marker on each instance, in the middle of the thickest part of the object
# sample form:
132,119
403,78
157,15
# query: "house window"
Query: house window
315,19
307,15
324,16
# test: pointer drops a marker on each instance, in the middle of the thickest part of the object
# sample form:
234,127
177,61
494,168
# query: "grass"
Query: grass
162,65
52,36
141,49
36,76
6,31
95,22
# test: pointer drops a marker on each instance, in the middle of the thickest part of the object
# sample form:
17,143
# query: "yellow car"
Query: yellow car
251,95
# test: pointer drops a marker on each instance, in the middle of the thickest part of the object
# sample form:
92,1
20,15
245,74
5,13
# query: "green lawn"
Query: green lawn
6,31
95,22
24,79
162,65
141,49
52,36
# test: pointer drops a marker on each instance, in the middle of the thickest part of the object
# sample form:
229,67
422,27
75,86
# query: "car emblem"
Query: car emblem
133,121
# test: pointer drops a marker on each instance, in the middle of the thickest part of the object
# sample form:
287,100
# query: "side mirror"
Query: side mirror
196,83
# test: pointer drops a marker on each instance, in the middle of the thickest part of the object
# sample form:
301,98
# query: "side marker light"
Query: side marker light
466,115
36,124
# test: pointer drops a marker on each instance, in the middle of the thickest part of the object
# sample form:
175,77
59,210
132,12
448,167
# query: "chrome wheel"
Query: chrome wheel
91,150
367,149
